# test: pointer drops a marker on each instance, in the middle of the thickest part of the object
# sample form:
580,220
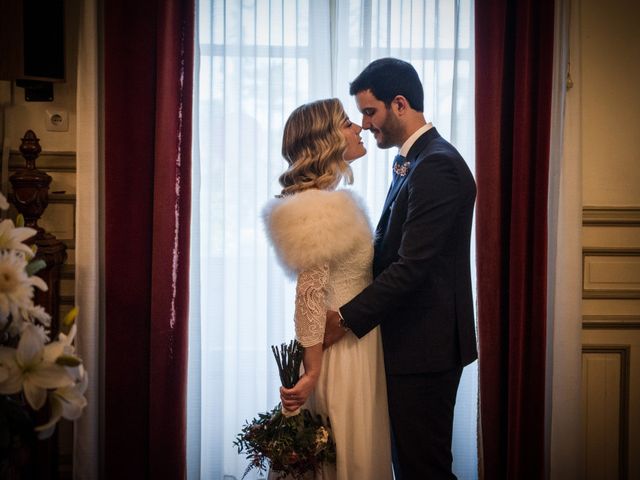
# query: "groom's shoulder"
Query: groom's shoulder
440,157
432,143
439,150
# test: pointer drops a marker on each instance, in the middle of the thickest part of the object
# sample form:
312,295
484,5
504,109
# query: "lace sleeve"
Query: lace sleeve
311,308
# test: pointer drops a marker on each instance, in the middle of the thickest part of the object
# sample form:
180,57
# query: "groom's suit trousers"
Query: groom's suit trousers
421,410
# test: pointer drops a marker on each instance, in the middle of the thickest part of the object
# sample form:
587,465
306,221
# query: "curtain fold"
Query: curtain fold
148,98
171,230
514,52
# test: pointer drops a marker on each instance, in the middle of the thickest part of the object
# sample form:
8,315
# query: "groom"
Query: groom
421,294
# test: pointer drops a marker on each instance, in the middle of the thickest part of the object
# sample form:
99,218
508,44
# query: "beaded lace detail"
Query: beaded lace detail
311,305
329,286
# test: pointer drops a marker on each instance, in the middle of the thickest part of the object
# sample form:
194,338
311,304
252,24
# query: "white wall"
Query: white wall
611,102
610,144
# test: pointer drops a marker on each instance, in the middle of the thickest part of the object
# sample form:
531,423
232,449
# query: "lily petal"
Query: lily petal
6,226
13,383
73,404
52,351
50,376
25,249
20,234
38,282
4,204
48,428
7,356
30,347
44,433
35,395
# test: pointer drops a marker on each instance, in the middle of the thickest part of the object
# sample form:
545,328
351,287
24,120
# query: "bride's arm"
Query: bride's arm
310,323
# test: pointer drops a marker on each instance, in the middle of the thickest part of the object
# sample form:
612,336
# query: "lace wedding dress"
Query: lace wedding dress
324,239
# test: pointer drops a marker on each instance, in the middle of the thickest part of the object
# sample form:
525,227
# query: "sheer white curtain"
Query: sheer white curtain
256,62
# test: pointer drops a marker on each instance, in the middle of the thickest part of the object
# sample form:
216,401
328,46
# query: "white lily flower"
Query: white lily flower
19,323
66,402
15,328
62,346
30,368
64,351
12,237
16,287
33,314
37,312
37,368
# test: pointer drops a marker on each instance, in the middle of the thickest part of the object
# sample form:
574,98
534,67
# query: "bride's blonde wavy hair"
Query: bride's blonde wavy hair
313,145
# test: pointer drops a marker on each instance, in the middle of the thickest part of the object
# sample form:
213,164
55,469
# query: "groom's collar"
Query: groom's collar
406,146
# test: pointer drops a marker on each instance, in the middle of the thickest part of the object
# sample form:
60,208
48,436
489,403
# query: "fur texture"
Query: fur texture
315,226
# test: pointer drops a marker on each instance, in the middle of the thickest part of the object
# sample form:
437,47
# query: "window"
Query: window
257,61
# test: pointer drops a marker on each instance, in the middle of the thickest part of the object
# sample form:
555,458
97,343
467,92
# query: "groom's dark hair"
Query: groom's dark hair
388,77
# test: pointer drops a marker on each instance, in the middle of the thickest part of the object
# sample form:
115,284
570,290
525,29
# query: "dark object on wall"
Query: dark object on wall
36,90
43,25
32,36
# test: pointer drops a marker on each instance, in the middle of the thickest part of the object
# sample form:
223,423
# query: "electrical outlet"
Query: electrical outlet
57,120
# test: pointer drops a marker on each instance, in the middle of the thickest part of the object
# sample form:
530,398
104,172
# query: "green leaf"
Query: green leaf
68,361
35,266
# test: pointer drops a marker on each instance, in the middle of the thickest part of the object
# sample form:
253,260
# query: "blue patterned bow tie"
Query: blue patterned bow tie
401,166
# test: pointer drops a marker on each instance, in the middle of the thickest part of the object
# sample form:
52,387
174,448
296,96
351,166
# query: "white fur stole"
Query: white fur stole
315,227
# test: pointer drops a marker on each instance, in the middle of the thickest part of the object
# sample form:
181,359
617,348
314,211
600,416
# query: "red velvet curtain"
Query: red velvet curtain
148,75
514,52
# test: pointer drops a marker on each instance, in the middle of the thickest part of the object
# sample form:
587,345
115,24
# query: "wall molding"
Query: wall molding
623,351
608,293
611,322
46,161
67,300
611,216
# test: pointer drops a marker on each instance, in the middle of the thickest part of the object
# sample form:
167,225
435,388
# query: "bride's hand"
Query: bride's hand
333,332
294,398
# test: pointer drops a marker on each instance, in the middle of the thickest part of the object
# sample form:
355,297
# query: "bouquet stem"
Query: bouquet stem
289,360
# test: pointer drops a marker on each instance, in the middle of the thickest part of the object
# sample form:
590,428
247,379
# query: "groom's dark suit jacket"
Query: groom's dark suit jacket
421,294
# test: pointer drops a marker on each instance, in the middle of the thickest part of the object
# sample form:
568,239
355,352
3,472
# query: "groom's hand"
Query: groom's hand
333,332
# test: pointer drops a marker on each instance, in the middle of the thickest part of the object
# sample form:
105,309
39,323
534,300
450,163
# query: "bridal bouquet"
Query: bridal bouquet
294,444
39,377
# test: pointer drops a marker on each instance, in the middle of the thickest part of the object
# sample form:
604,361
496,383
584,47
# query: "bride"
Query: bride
322,236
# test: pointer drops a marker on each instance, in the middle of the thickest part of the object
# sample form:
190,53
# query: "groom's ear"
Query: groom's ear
400,105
